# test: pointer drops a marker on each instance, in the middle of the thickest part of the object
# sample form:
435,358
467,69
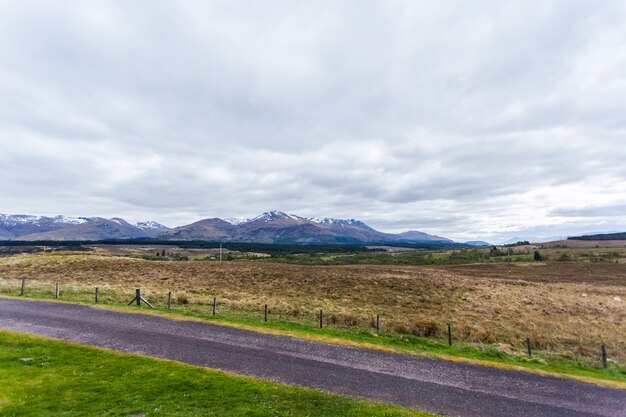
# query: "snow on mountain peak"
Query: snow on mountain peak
19,218
70,220
28,219
331,221
149,225
235,221
275,215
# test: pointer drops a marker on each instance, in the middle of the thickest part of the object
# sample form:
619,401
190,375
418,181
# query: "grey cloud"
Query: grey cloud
608,211
466,120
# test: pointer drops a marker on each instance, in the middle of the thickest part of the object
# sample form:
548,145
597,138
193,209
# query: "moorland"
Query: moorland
567,303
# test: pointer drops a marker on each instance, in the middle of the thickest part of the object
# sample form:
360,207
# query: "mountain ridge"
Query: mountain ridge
270,227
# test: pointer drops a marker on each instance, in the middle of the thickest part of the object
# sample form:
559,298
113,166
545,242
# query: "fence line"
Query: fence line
138,298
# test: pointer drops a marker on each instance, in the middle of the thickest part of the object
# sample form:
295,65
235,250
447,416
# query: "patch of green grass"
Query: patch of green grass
44,377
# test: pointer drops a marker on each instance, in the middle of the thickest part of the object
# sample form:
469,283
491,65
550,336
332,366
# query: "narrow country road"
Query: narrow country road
452,389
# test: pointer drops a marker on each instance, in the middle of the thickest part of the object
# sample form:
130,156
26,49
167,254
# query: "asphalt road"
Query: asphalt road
442,387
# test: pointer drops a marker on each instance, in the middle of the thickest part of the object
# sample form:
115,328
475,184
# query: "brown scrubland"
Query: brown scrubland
566,309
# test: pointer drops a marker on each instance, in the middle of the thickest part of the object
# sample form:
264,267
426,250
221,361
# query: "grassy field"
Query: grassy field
561,251
43,377
566,308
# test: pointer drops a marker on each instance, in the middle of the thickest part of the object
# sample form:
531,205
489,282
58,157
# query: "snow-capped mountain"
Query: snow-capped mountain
150,225
329,221
70,220
279,227
269,227
27,227
274,215
235,221
152,228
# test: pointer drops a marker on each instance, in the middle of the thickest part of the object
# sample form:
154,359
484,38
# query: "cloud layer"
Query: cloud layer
483,120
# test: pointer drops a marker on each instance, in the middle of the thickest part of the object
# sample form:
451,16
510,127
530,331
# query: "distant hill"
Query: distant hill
605,236
478,243
531,239
208,229
269,227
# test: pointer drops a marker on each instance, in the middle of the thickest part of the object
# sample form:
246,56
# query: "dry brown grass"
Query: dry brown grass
589,244
562,307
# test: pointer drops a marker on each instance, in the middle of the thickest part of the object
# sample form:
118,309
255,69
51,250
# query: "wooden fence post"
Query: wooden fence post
97,295
321,318
138,299
528,347
603,352
214,304
57,291
377,323
266,312
23,285
449,335
169,300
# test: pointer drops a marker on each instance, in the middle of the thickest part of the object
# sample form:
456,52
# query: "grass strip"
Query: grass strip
42,377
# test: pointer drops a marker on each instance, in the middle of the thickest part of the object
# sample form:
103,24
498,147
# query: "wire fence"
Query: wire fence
208,305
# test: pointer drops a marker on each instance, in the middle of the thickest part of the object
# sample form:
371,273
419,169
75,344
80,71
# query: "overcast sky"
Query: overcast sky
467,119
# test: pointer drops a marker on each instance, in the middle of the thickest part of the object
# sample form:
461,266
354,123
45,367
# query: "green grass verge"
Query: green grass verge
45,377
542,363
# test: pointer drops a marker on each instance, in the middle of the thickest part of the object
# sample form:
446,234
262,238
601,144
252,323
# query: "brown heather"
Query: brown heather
565,308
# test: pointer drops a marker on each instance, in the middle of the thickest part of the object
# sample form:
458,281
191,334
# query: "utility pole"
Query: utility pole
220,252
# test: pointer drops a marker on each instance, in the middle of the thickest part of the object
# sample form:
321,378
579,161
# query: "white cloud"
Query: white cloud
476,120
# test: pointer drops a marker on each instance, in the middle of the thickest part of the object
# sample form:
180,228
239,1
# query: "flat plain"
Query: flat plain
566,309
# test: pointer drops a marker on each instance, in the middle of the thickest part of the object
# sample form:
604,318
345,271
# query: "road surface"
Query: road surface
452,389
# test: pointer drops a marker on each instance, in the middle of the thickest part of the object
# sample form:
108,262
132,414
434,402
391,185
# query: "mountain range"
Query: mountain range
269,227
